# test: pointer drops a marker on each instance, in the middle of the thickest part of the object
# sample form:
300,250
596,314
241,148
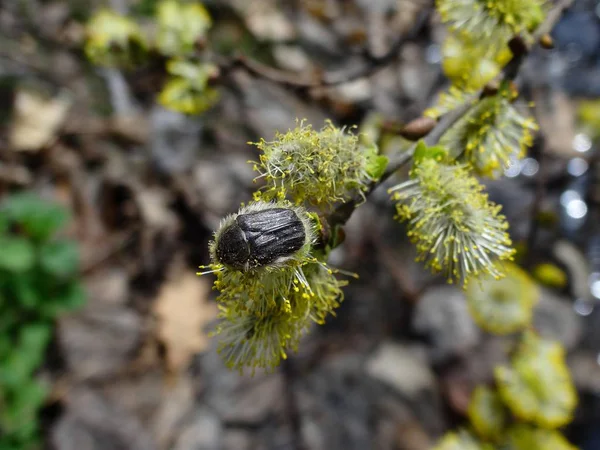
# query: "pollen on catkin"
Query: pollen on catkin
315,167
492,22
469,64
264,315
449,100
249,341
456,229
490,135
326,291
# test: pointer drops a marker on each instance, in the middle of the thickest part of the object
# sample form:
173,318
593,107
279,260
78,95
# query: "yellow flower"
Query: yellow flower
491,134
449,100
456,229
250,341
492,22
326,291
317,167
551,275
470,65
266,308
264,315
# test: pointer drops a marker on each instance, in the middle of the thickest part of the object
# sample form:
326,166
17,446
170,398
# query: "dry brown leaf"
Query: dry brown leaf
183,310
36,119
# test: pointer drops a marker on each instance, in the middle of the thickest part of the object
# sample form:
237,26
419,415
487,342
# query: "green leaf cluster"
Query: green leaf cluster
38,281
175,34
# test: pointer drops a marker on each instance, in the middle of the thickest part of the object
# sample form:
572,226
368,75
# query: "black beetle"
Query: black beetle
261,234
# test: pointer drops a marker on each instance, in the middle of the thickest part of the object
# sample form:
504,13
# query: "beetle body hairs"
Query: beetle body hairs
264,235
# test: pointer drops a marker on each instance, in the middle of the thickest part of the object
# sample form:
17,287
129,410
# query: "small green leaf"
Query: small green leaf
74,296
9,318
422,151
17,254
27,355
25,291
59,258
34,338
38,217
6,346
376,163
4,223
19,418
70,298
486,413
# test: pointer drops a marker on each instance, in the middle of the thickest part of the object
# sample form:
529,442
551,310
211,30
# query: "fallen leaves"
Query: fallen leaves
183,310
36,119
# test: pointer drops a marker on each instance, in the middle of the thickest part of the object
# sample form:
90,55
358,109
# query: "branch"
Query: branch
520,50
290,80
342,212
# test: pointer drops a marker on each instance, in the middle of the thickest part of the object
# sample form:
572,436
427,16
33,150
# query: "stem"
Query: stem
371,65
342,212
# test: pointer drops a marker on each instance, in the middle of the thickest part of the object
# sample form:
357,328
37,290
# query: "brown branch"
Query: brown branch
343,211
371,65
520,50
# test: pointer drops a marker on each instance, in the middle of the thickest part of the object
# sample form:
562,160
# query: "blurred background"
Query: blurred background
127,362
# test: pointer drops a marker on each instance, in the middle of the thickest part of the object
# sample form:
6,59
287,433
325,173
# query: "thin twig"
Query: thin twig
368,68
343,211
